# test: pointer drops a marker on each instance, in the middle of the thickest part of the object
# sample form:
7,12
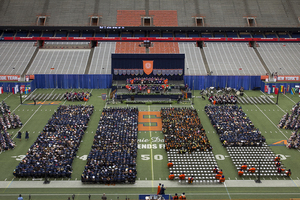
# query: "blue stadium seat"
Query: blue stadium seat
167,35
35,34
154,35
206,35
139,34
126,34
296,35
100,35
48,34
61,34
22,34
87,34
231,34
258,35
113,35
219,35
283,36
192,34
271,36
180,35
74,34
245,35
8,34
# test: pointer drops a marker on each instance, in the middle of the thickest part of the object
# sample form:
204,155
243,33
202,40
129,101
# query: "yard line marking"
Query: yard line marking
7,97
31,117
227,190
289,98
276,104
269,119
151,153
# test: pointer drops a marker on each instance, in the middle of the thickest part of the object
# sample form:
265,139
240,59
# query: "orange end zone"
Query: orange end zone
149,121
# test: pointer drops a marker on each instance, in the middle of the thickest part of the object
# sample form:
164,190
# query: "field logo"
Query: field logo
148,66
279,143
149,121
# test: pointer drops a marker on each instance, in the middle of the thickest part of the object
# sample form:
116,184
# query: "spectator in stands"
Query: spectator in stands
171,176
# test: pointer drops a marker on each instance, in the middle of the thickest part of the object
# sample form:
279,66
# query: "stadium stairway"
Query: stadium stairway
30,62
261,60
205,61
88,65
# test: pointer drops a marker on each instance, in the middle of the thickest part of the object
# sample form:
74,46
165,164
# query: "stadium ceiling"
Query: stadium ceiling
149,29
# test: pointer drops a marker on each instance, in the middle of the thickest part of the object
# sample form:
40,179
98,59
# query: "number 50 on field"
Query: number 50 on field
147,157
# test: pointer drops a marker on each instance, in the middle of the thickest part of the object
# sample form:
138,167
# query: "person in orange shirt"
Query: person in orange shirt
171,176
222,179
277,159
218,176
288,173
215,170
182,176
182,196
220,172
240,173
175,197
170,164
158,189
191,179
252,169
244,166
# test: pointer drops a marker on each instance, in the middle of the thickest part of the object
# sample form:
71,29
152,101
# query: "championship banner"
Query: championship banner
172,72
148,66
159,72
141,72
180,72
176,71
116,71
163,72
136,72
128,71
124,71
155,72
132,72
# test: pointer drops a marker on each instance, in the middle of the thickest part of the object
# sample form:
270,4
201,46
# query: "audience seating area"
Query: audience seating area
114,150
194,64
14,57
101,61
187,145
233,59
283,58
164,47
55,148
129,47
64,61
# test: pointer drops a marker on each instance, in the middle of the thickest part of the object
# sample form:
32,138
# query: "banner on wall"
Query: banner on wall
288,78
1,90
276,90
148,66
9,77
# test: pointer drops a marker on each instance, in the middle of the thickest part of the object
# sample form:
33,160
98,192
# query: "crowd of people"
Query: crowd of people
145,80
148,88
77,96
6,142
294,141
291,121
233,126
183,130
112,158
223,99
53,152
8,120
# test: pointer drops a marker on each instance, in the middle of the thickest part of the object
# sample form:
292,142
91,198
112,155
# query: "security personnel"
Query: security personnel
240,173
171,176
170,164
252,169
218,176
244,166
288,173
222,179
182,176
175,197
182,196
191,179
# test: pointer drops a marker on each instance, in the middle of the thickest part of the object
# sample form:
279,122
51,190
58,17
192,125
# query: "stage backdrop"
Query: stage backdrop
169,66
203,82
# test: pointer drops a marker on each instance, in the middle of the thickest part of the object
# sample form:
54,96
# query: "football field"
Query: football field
152,157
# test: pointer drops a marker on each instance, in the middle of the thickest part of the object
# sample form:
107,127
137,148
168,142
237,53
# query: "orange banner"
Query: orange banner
9,77
148,66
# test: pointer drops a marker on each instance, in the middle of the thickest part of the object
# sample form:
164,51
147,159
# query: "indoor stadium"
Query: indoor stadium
149,99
